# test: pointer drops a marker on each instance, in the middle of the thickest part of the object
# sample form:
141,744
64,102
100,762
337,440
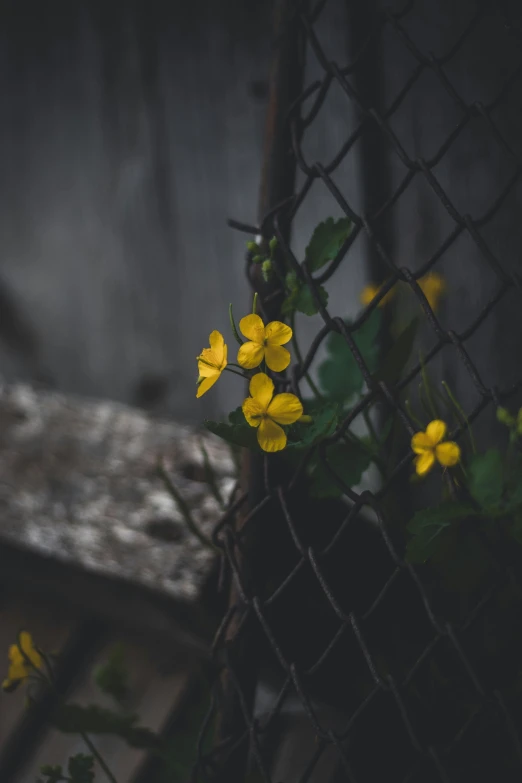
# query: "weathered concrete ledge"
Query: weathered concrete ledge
78,483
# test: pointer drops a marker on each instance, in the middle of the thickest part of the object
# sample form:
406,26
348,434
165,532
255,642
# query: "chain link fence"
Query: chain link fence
391,673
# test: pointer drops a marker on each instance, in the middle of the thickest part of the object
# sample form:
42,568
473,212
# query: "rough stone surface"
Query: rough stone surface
78,482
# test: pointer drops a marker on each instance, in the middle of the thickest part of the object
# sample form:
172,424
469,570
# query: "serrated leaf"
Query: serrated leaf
339,375
237,431
81,769
112,677
300,297
348,460
324,422
53,773
428,526
326,241
486,480
397,357
305,302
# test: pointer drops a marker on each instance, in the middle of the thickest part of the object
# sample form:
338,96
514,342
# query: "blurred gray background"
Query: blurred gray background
129,132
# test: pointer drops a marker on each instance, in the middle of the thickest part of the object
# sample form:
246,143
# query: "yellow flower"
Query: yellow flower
432,286
266,412
429,447
369,293
20,660
211,362
265,342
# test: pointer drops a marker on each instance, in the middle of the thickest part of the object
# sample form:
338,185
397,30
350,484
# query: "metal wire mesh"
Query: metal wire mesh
319,595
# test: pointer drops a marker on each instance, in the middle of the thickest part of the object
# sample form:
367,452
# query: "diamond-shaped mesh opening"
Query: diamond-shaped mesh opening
405,119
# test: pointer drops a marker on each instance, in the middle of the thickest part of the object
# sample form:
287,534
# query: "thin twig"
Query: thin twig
97,756
184,508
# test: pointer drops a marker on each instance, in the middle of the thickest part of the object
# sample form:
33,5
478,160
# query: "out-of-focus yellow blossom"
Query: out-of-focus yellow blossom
265,342
430,447
211,362
432,286
266,412
369,293
23,658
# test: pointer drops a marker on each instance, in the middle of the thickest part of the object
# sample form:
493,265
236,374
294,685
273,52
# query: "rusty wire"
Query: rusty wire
417,741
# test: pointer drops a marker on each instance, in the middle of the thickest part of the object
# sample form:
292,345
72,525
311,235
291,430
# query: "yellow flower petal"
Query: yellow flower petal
206,363
214,358
27,645
368,294
15,656
424,462
262,388
253,328
448,453
250,355
305,419
253,411
18,671
436,431
217,344
277,333
207,383
285,408
432,285
277,358
421,443
270,436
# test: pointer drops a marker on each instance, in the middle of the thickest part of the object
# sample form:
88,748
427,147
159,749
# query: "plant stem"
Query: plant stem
211,477
241,375
460,415
50,680
409,411
299,358
233,325
233,364
97,756
184,509
427,388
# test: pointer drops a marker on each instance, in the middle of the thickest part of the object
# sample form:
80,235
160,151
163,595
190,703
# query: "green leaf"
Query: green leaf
326,241
53,773
486,480
339,375
300,296
324,422
428,526
349,460
113,677
397,358
81,769
237,432
305,302
92,719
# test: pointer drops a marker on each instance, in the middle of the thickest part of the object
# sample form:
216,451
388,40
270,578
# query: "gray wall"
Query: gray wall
130,132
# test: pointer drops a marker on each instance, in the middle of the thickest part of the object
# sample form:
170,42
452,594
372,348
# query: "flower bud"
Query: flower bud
266,270
505,417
